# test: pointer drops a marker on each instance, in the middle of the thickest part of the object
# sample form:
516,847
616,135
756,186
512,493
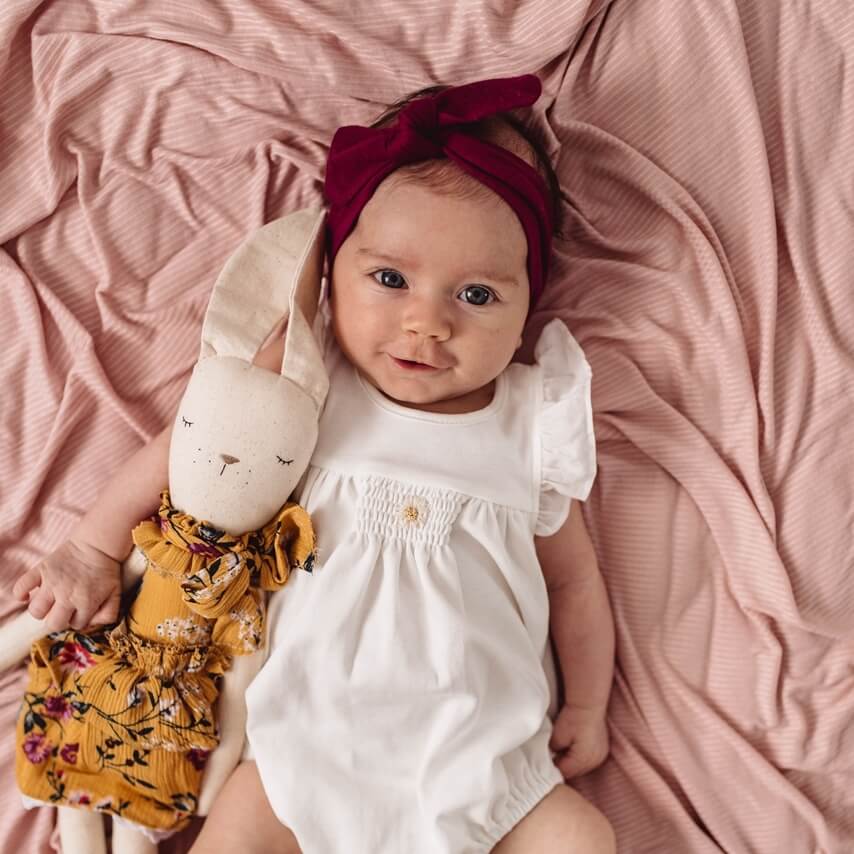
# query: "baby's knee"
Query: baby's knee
583,828
243,820
594,833
562,823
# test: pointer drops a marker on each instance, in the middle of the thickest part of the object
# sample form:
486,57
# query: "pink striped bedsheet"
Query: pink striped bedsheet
704,152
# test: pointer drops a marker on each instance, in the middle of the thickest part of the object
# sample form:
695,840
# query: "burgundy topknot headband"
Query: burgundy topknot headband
435,127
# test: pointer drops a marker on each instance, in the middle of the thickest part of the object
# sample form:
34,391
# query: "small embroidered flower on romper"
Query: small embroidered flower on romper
414,510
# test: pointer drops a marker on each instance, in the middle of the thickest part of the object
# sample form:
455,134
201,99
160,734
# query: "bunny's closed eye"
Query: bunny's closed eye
187,423
283,462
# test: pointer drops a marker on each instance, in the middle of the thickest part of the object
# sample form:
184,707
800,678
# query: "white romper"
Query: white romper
404,706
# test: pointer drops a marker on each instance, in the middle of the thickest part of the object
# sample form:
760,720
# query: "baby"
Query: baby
406,704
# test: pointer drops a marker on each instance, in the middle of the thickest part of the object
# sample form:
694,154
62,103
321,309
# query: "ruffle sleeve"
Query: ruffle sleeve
567,444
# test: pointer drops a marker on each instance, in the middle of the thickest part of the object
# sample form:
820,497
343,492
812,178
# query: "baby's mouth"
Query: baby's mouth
410,365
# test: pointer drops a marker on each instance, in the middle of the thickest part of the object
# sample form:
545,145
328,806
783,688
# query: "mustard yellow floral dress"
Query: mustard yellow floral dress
121,719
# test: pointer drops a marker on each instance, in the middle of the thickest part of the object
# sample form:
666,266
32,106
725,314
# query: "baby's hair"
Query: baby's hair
506,129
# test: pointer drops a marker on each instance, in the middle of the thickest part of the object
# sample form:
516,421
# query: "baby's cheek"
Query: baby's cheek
496,354
356,339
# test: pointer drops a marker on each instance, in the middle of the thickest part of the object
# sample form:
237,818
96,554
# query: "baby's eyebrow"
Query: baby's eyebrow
382,256
471,275
496,278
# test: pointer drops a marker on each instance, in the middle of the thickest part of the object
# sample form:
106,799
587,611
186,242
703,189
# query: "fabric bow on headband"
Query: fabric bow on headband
437,127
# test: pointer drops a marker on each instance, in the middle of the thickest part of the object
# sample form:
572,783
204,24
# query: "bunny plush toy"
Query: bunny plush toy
143,721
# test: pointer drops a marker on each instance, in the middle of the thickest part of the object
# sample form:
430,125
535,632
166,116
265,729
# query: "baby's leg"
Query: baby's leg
241,819
561,823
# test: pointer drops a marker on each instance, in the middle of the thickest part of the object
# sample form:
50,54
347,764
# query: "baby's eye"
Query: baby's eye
477,295
187,423
389,278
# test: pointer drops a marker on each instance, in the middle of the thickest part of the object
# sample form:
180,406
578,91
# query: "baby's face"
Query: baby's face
430,295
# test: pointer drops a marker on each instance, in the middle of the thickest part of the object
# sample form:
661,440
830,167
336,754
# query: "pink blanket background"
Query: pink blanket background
705,152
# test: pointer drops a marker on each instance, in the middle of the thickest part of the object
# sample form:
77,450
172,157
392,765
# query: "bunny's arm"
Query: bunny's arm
17,635
231,718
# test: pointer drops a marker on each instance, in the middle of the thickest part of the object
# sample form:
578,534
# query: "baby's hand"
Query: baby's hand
580,740
77,586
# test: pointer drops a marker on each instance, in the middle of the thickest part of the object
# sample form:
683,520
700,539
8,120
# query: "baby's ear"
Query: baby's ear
271,354
278,331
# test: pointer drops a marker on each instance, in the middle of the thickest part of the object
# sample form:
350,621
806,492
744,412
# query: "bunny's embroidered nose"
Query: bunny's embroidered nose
228,460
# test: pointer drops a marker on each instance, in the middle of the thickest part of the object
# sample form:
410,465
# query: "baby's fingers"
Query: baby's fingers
25,583
580,758
80,619
59,617
43,606
41,601
569,766
563,733
574,763
96,610
107,613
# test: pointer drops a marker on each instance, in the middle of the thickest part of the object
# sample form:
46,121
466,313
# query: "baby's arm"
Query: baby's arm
582,629
79,584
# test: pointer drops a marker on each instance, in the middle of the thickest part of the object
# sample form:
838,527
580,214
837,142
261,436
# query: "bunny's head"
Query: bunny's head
243,435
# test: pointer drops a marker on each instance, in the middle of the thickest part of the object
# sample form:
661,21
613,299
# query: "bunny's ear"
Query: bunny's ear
303,362
271,273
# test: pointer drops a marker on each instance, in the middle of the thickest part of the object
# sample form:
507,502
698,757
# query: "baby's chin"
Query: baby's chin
415,393
447,401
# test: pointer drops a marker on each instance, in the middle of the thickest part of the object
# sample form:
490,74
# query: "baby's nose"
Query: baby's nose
228,460
428,318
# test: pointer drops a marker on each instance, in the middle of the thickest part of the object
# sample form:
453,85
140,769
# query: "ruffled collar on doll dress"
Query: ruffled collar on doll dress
216,568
